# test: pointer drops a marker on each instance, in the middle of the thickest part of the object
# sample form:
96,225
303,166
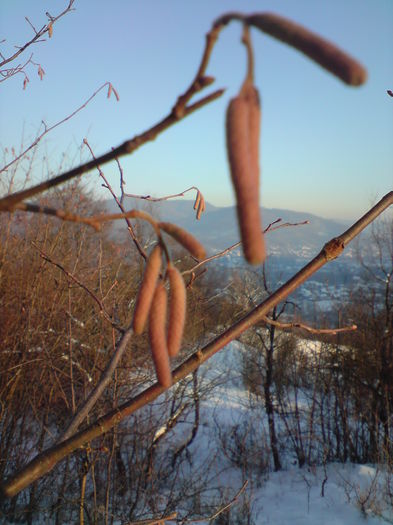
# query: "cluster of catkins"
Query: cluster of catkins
165,327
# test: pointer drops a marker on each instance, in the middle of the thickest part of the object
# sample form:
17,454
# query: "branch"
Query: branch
46,461
8,203
224,252
97,391
159,199
118,202
179,111
285,326
156,521
47,28
81,285
223,508
38,139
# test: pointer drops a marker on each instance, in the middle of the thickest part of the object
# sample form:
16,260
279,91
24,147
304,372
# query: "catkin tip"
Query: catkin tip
322,51
157,336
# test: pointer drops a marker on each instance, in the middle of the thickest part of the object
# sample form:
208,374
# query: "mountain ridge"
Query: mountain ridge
218,228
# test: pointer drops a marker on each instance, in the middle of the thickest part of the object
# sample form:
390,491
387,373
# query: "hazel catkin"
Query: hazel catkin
146,290
188,241
197,200
201,207
177,310
242,134
325,53
157,336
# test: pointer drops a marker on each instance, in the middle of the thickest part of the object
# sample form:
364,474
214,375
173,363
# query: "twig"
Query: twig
222,509
159,199
36,141
59,214
118,202
156,521
129,146
97,391
38,34
45,462
224,252
285,326
101,306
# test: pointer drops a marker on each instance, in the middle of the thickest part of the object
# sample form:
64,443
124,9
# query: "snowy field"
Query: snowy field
335,495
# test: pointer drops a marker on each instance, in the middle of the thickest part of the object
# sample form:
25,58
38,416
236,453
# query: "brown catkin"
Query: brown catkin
146,290
197,199
157,336
242,133
326,54
188,241
177,310
201,208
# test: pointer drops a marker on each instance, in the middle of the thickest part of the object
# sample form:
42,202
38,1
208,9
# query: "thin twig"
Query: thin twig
97,391
118,202
224,252
156,521
101,306
129,146
159,199
38,139
285,326
221,510
38,35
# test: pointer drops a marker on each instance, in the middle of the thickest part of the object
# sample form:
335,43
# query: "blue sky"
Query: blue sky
326,148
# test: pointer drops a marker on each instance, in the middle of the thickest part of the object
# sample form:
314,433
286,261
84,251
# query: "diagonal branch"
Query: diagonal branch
129,146
100,304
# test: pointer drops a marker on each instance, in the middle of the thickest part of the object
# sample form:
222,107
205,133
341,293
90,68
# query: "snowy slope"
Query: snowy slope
292,496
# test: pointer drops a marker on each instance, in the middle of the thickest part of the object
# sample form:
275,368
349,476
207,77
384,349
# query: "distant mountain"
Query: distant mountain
218,229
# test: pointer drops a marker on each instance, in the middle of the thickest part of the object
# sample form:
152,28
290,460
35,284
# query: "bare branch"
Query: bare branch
8,203
41,135
224,252
118,202
37,35
223,509
101,306
156,521
331,331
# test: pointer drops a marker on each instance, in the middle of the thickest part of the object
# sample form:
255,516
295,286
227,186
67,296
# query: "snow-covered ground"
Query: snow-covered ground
335,494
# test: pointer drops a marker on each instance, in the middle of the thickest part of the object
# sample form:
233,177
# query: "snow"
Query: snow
335,494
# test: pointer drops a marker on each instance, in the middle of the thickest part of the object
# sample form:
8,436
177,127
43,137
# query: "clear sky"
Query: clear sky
326,148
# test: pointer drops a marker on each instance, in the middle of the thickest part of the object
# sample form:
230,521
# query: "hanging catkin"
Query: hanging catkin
327,54
146,290
157,335
242,134
201,207
188,241
177,310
